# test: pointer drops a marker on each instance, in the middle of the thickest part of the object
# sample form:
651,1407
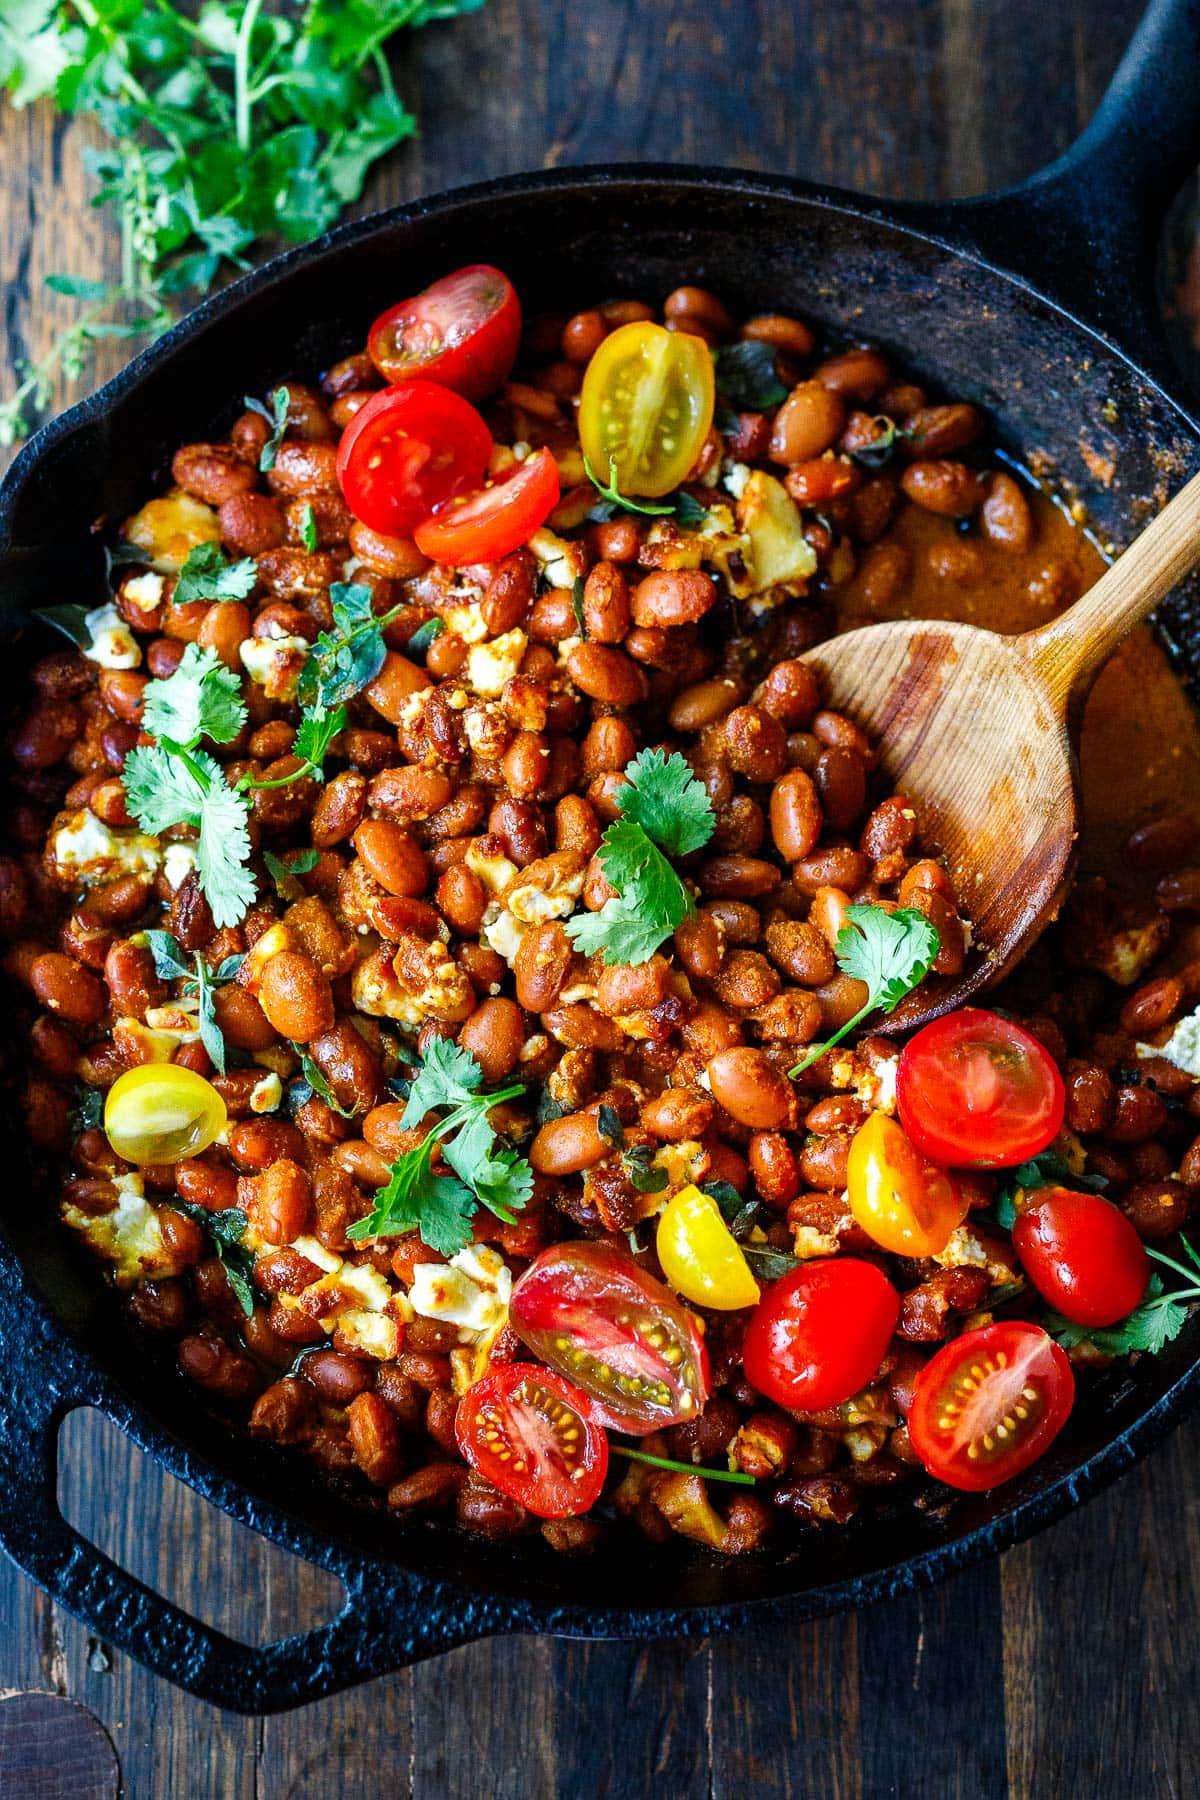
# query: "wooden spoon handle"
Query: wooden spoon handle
1068,652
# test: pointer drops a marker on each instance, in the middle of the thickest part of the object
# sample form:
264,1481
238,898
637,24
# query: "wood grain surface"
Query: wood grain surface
1068,1668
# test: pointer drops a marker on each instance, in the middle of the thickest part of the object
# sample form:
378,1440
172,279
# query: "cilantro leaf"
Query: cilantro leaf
87,1109
277,417
890,952
688,511
226,1231
746,377
201,699
164,788
168,956
209,575
661,800
440,1206
1151,1326
662,795
318,728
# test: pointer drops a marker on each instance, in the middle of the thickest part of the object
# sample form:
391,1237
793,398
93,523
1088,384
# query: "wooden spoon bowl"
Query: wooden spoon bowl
978,730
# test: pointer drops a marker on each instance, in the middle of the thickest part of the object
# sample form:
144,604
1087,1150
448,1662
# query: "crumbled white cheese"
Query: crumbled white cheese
502,933
495,872
314,1251
88,850
561,562
144,592
111,643
266,1095
1182,1047
274,664
490,666
467,622
684,1162
129,1237
178,862
734,476
361,1333
966,1251
472,1290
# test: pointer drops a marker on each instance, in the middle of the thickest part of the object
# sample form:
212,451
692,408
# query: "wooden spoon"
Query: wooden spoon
978,729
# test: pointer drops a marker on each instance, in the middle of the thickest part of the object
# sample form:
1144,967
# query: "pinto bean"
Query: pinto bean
605,673
1006,518
802,951
212,472
809,422
751,1088
944,487
67,989
672,597
567,1145
935,431
296,997
494,1034
542,965
795,815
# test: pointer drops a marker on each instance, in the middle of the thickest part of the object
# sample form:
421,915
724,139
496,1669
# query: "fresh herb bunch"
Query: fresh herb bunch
889,952
231,125
442,1207
664,812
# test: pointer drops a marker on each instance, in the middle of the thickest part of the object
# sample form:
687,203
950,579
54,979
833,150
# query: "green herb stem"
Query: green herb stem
664,1462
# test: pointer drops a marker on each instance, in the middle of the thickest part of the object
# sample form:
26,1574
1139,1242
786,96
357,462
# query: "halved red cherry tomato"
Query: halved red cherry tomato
616,1332
535,1437
819,1334
406,451
989,1404
1082,1255
486,525
908,1205
462,332
975,1091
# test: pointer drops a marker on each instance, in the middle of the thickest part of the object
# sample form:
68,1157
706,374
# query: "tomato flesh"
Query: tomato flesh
161,1112
700,1257
646,407
616,1332
1082,1255
409,449
819,1334
975,1091
462,332
535,1437
907,1205
989,1404
499,518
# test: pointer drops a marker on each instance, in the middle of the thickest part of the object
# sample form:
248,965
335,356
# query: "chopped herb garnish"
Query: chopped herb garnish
200,979
424,635
442,1207
880,449
891,952
746,375
87,1109
70,619
1048,1169
318,728
226,1231
308,527
209,575
577,588
620,501
284,872
276,416
663,809
165,786
320,1087
347,659
201,699
682,1468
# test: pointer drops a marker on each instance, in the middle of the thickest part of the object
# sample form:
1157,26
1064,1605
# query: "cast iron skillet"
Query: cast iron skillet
961,295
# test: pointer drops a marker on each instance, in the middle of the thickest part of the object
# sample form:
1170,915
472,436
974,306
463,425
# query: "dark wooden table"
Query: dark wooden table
1067,1668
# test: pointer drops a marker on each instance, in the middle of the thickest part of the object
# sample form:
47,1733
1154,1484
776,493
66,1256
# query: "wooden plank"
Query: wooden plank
786,1711
52,1749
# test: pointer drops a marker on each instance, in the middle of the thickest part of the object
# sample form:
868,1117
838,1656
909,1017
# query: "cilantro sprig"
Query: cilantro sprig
441,1207
209,575
664,812
226,1231
1151,1326
166,785
229,126
891,952
197,977
201,699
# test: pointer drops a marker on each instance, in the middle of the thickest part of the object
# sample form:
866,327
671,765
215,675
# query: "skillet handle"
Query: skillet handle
1084,230
390,1619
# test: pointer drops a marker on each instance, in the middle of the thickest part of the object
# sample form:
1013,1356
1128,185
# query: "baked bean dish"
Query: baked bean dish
456,943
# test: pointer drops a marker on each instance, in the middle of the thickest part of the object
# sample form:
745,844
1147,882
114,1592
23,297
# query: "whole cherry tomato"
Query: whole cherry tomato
535,1437
989,1404
1082,1255
819,1334
908,1205
406,451
462,332
619,1334
975,1091
646,407
498,518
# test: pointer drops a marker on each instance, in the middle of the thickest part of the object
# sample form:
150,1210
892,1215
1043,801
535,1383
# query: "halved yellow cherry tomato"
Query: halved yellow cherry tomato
700,1256
909,1206
160,1113
646,407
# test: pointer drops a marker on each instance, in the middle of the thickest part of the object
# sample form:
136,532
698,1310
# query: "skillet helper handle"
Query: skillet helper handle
390,1619
1085,229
